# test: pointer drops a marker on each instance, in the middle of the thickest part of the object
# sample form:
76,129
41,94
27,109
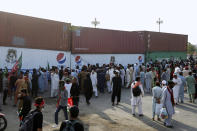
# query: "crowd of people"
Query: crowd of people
165,80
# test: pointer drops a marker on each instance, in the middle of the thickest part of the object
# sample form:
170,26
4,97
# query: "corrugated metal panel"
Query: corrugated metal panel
167,42
29,32
167,55
91,40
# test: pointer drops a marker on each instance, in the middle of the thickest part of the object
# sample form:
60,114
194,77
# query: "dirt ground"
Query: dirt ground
101,116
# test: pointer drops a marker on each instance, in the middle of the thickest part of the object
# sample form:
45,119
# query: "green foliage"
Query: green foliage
191,48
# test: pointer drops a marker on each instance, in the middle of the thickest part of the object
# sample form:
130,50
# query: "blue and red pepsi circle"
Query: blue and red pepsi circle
78,59
61,58
140,59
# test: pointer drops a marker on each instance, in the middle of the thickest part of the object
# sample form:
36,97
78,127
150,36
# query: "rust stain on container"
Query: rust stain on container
29,32
91,40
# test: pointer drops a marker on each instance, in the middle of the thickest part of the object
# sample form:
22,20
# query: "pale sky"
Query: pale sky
179,16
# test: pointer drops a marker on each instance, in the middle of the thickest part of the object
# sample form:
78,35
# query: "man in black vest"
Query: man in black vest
117,83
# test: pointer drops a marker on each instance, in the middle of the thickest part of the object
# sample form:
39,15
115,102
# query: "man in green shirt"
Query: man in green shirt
191,86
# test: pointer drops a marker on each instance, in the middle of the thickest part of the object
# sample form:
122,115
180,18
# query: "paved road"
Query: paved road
101,116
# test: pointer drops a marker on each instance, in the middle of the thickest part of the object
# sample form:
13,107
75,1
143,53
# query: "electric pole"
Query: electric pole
159,22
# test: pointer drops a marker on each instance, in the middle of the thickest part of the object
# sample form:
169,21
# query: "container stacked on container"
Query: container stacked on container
166,45
44,43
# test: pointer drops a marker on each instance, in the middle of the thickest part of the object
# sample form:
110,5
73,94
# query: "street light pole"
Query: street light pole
159,22
95,22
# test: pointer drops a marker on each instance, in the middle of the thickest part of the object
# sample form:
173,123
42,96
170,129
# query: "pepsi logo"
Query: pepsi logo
61,58
78,59
140,58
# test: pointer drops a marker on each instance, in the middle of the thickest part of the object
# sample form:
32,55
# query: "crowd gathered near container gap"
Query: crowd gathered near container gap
165,80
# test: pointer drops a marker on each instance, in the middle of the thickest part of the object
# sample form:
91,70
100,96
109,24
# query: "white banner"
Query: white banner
33,58
124,59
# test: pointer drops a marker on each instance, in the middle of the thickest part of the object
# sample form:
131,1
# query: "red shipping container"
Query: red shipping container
29,32
166,42
92,40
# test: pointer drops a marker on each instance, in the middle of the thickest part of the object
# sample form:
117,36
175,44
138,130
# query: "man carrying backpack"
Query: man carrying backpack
34,121
137,93
38,118
73,124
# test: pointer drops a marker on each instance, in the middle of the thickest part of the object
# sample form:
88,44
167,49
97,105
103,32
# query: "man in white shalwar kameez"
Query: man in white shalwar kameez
107,77
128,76
122,75
186,72
156,99
177,70
131,68
168,71
134,73
168,103
137,101
111,74
54,83
93,77
163,87
148,81
177,81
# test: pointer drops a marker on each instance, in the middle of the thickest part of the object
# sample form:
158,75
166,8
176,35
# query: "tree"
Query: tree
190,48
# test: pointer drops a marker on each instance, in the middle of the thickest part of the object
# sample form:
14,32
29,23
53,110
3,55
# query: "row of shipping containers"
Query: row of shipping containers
91,40
82,44
102,41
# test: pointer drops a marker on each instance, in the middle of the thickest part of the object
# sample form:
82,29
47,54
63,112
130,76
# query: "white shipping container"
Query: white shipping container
124,59
33,58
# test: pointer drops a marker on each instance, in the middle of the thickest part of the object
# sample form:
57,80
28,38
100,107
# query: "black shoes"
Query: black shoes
88,102
114,104
167,126
140,115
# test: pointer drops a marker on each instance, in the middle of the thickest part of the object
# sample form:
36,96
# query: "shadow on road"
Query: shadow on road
154,124
178,126
124,108
146,120
183,127
86,127
192,105
186,108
